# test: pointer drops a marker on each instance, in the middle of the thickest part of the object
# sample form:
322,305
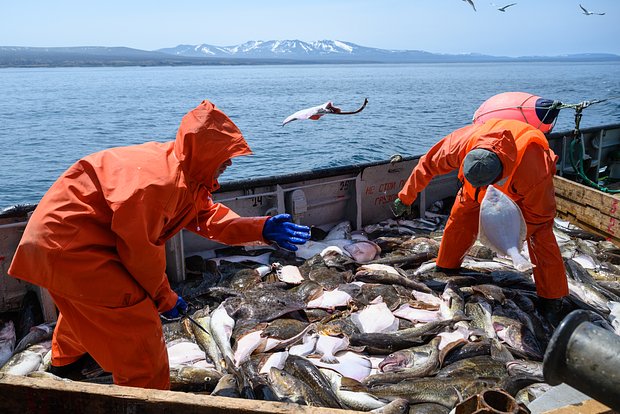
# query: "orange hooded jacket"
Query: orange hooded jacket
98,235
527,178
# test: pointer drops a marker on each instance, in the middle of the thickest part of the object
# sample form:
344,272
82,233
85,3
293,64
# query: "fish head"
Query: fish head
397,406
282,382
228,381
507,330
524,367
394,361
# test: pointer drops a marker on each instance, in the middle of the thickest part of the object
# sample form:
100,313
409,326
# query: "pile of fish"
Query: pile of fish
363,320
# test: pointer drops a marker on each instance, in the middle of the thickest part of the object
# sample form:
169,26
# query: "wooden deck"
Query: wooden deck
588,208
20,395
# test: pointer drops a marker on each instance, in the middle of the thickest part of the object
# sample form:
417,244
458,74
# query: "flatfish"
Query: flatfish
502,227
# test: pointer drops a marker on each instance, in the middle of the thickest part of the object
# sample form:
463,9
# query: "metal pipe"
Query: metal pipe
586,357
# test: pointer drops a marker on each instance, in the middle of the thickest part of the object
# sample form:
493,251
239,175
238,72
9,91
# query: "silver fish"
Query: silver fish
221,326
355,400
28,360
205,340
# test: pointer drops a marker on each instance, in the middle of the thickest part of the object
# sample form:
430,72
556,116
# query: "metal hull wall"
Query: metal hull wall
361,194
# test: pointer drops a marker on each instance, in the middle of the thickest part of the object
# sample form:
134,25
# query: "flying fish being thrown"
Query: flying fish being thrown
318,111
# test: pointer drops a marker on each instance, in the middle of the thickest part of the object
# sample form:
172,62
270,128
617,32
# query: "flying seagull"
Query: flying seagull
471,2
318,111
503,9
589,13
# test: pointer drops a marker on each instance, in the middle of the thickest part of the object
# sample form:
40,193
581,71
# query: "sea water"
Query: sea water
51,117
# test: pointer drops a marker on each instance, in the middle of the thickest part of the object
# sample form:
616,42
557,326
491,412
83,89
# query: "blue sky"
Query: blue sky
531,27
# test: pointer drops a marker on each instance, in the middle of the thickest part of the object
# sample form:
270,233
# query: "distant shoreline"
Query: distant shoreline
36,57
281,63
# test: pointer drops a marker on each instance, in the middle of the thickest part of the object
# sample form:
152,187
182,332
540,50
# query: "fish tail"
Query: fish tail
521,263
329,359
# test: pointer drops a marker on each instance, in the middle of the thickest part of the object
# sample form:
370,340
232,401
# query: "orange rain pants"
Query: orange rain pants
127,341
528,169
461,232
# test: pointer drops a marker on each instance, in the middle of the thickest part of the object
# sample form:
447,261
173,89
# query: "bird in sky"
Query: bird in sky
589,13
503,9
471,2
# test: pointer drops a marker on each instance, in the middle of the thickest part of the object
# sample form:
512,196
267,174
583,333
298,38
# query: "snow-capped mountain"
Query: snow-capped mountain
295,49
253,52
271,48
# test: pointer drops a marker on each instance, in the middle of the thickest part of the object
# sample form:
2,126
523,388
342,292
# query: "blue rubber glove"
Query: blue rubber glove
286,234
179,309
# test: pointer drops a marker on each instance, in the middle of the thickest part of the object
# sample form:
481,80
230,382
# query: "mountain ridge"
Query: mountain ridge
254,52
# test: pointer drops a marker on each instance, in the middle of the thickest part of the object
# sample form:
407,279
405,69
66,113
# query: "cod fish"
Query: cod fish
28,360
290,389
406,364
221,326
502,227
306,371
191,378
205,340
226,387
355,400
445,391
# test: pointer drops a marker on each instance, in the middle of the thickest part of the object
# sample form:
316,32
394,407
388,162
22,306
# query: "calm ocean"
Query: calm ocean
50,117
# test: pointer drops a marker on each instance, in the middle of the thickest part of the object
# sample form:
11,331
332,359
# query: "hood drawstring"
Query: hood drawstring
477,194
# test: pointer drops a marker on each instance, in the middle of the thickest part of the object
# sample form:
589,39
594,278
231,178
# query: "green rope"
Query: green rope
578,165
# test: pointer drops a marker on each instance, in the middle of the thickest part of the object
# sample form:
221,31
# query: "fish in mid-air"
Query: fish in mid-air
316,112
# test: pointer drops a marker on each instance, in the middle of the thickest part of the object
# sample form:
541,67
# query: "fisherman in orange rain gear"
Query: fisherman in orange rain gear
96,241
504,146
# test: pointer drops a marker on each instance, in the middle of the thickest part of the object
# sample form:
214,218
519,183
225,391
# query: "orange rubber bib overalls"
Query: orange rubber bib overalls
96,241
527,178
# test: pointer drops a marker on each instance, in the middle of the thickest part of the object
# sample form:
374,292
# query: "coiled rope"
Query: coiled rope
576,144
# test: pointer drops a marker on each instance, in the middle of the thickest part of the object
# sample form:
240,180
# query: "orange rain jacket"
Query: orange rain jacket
97,238
527,178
